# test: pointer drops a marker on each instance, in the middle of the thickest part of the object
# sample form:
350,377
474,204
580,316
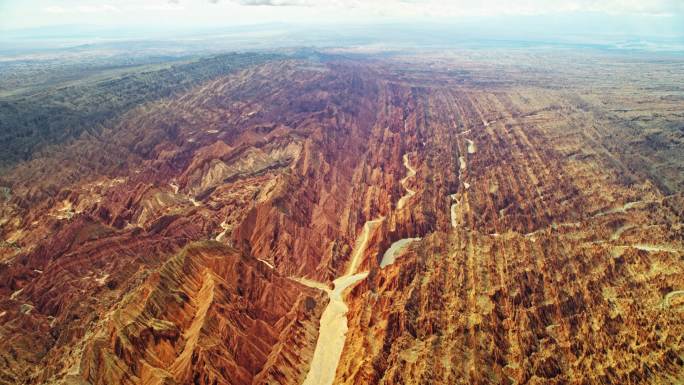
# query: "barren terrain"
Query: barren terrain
350,218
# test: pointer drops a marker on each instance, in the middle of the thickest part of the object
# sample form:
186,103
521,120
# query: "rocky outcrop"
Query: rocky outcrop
208,315
508,234
548,270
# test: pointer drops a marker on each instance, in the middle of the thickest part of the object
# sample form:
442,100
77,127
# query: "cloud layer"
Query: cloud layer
204,13
272,3
483,7
397,8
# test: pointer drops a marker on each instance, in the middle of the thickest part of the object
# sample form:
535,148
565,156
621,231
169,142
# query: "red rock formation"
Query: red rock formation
208,315
555,273
161,251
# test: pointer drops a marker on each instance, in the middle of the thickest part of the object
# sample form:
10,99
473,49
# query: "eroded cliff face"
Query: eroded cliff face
525,243
208,315
547,261
103,279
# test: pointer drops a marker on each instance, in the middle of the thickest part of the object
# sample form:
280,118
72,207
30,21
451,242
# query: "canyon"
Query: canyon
333,325
347,217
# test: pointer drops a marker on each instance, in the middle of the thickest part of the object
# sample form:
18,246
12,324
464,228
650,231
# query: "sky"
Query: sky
648,17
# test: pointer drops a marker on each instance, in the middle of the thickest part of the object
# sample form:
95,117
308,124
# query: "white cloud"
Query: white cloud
392,8
55,9
273,3
86,8
122,7
481,7
162,7
205,13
